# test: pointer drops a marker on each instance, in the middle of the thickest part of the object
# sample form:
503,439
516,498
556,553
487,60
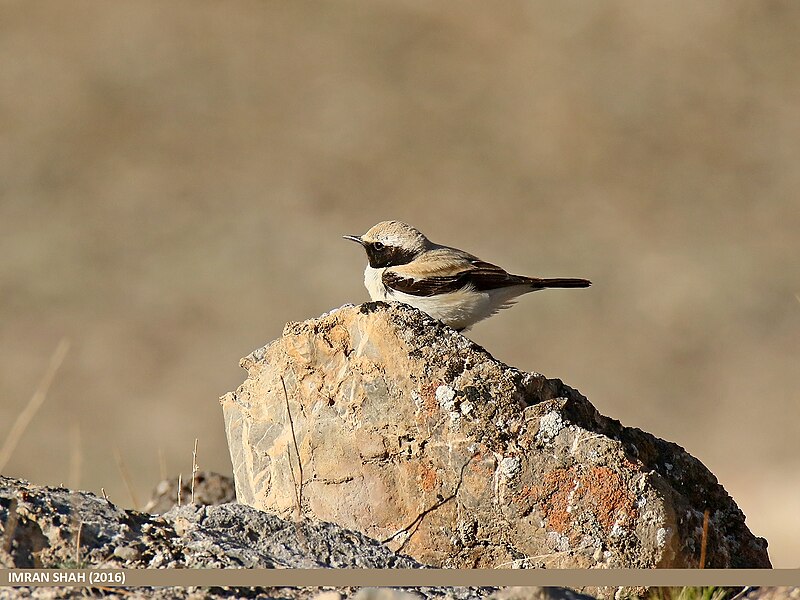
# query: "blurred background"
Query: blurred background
175,179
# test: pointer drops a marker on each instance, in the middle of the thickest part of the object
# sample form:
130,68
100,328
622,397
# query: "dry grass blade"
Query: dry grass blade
742,593
126,478
194,467
704,540
78,544
298,483
34,404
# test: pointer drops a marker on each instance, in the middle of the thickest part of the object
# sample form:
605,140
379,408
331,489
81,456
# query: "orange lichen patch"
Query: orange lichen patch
428,391
606,491
427,478
553,496
564,493
430,406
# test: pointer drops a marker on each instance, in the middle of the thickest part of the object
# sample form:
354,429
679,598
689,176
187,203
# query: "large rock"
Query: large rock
382,420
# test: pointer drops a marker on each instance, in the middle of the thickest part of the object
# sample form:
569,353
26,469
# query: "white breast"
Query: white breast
374,284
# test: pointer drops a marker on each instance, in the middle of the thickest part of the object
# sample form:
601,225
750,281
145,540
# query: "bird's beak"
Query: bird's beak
354,238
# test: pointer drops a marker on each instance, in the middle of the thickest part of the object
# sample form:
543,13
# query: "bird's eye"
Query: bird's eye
378,246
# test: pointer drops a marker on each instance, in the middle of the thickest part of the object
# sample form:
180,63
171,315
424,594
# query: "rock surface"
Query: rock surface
382,420
39,527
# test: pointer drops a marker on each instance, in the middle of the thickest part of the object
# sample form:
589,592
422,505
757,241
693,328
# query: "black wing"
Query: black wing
484,276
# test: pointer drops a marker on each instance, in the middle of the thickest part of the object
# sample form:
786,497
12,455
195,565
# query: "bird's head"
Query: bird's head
391,243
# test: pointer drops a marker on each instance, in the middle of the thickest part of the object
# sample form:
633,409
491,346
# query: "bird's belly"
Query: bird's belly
458,309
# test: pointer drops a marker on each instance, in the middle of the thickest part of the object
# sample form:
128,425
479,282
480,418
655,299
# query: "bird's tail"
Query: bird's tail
560,282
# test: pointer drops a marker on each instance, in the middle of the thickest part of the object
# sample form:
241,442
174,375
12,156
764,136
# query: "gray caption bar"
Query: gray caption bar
400,577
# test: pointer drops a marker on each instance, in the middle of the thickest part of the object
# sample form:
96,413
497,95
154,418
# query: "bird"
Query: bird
453,286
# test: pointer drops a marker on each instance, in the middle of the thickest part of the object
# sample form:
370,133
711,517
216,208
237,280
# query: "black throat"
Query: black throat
388,256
